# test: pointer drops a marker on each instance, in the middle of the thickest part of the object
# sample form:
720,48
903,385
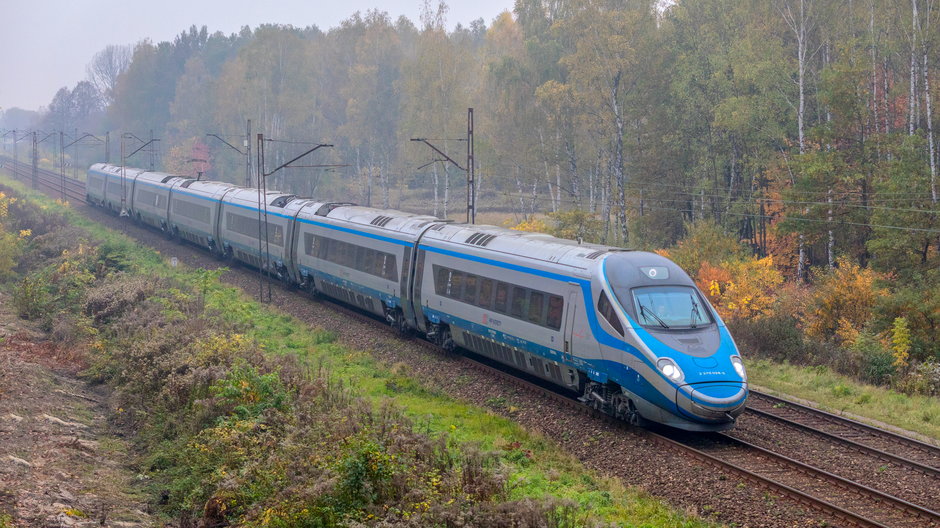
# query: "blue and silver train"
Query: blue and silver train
627,330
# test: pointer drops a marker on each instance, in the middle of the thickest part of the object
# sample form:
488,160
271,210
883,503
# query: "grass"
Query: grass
835,392
538,468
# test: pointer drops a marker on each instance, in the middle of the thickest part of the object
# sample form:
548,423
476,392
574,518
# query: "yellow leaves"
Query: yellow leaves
900,342
26,233
5,204
532,225
740,289
843,298
846,332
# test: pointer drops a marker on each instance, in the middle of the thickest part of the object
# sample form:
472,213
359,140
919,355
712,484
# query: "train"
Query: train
627,331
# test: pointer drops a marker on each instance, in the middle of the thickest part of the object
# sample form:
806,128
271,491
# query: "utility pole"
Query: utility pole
35,162
75,142
471,191
246,143
124,157
264,246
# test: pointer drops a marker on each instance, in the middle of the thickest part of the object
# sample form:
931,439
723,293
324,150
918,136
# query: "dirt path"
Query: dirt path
61,465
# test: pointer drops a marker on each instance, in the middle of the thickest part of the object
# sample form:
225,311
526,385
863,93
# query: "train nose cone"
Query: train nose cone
713,401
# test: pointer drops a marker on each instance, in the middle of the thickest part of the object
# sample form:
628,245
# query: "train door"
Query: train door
570,315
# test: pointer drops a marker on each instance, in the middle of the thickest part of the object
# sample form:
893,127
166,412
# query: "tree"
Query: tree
105,68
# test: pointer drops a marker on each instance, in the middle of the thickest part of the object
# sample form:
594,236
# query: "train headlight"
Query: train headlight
738,366
670,369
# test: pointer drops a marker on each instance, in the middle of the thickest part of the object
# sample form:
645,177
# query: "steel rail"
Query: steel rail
877,453
898,439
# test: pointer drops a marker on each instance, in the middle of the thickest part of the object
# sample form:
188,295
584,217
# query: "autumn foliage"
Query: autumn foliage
843,298
740,289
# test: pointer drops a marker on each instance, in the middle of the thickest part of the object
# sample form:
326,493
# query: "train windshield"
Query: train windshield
669,307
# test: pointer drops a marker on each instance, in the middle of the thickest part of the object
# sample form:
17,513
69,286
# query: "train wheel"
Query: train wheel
396,319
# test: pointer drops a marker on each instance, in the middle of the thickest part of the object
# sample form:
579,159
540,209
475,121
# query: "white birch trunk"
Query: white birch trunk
832,239
930,139
874,69
912,96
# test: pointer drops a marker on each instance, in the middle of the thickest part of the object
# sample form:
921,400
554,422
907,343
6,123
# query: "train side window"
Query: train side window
486,294
455,285
366,260
308,244
441,276
470,289
535,307
607,310
502,296
391,267
518,302
555,307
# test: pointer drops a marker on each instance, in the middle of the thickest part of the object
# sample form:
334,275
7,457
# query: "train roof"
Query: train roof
524,244
213,188
398,221
117,169
249,196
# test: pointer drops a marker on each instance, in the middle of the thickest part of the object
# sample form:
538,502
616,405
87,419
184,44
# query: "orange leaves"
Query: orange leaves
740,289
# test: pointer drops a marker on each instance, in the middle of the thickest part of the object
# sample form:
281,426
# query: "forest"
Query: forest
783,151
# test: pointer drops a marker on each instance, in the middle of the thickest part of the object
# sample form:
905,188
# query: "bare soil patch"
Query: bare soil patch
61,464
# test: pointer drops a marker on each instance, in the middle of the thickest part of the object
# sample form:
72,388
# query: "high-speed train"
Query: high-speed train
627,330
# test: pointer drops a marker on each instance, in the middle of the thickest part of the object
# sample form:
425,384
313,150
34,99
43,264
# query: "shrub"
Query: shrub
876,363
740,289
923,378
900,342
844,295
705,242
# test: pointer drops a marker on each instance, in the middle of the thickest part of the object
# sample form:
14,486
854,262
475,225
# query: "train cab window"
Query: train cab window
555,307
502,295
518,302
470,289
608,311
486,294
536,299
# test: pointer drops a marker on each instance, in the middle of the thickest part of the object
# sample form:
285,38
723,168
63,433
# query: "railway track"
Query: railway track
846,502
54,184
886,445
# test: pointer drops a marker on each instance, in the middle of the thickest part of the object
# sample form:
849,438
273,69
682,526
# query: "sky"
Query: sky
46,44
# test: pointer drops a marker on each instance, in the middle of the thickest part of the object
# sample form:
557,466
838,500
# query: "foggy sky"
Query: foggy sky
46,44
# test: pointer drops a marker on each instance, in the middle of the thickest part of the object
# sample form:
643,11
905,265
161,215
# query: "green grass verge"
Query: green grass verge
836,392
538,467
